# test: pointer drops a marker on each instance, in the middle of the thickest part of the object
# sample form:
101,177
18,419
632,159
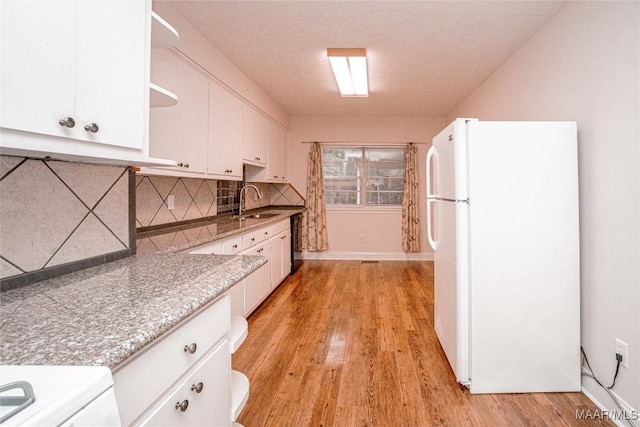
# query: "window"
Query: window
363,176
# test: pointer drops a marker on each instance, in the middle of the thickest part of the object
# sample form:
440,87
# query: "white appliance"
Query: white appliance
62,396
502,204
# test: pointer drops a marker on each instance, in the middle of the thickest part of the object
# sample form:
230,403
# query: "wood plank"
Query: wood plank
342,343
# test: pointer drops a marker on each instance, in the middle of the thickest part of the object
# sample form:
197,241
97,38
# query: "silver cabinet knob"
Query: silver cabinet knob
197,387
257,158
91,127
182,405
235,246
67,122
275,176
191,348
186,165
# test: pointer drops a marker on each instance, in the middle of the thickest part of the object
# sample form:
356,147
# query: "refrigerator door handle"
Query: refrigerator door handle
430,198
432,242
430,153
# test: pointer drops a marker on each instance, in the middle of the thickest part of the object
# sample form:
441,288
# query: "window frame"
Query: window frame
361,180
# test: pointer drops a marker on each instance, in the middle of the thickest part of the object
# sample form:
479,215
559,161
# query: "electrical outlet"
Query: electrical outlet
171,202
622,349
362,238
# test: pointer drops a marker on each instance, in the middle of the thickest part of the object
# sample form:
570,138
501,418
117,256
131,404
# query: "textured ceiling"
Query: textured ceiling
424,57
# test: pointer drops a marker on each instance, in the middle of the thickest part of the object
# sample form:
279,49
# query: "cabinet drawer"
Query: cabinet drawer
232,245
138,383
209,407
208,249
252,238
280,226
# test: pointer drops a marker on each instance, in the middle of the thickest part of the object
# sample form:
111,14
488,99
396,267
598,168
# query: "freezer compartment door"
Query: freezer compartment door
451,294
449,162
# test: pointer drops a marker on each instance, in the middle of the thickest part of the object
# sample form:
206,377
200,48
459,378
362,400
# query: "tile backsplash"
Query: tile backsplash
192,199
201,198
54,213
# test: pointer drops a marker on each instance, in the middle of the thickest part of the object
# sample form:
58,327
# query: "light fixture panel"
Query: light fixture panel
350,70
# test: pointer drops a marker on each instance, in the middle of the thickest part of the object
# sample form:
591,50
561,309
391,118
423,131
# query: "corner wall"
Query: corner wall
583,65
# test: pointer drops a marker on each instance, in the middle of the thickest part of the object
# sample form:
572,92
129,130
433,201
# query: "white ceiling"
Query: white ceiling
424,57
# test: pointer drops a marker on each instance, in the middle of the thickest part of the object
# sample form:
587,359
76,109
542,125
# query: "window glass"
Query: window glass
365,176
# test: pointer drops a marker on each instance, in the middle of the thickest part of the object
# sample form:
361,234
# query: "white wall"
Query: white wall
381,229
584,66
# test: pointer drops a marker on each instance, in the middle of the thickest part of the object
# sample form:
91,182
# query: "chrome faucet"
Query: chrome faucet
241,191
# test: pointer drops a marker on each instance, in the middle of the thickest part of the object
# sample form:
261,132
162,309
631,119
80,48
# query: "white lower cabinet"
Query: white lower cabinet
274,243
280,253
196,351
202,399
257,286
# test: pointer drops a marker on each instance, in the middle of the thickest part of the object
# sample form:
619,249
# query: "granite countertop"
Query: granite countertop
105,314
181,238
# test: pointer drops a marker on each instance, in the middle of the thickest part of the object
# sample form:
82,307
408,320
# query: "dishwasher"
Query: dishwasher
57,396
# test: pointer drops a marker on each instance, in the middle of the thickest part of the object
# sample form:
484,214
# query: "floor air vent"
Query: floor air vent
369,262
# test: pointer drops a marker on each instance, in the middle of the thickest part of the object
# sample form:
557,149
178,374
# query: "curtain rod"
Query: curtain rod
347,143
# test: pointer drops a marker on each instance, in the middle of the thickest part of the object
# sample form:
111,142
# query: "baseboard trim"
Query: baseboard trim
368,256
625,407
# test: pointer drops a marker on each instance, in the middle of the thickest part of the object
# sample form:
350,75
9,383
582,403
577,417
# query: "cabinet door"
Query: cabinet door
194,106
111,71
208,407
257,285
255,139
225,133
280,257
285,156
286,254
274,165
38,66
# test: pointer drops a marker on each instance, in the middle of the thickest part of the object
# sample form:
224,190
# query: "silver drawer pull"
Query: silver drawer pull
67,122
91,127
235,246
197,387
191,348
182,405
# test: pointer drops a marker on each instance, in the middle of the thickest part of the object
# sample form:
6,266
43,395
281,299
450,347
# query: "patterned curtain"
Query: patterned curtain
410,218
314,230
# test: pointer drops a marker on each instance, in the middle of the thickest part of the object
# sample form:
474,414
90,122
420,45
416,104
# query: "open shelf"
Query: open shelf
238,333
163,35
239,393
160,97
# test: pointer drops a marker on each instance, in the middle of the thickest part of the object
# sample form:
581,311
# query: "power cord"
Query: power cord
590,374
618,358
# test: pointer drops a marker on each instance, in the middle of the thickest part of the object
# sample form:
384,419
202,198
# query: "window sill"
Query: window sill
363,209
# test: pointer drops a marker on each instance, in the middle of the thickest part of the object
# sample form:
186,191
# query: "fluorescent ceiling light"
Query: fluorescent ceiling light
350,69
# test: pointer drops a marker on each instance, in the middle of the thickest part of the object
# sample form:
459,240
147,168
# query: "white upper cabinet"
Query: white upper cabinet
180,132
225,133
255,139
278,159
277,166
76,69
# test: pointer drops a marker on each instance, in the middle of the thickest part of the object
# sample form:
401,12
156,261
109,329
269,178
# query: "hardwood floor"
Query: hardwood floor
344,343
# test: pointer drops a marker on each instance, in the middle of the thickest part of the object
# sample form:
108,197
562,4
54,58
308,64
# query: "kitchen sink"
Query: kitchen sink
261,215
256,216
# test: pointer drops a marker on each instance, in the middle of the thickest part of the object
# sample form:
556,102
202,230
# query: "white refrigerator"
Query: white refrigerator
502,204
